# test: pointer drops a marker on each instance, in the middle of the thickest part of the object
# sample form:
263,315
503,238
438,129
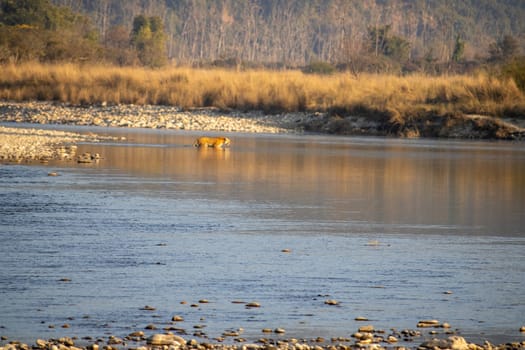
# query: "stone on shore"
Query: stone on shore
430,324
368,328
166,339
453,342
25,145
155,117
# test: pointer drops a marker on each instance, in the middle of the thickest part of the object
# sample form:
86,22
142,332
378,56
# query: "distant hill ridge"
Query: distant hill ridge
298,32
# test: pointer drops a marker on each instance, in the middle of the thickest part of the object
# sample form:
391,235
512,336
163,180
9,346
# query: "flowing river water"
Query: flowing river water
395,230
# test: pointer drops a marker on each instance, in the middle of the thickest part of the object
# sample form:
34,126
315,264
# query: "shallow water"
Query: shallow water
384,226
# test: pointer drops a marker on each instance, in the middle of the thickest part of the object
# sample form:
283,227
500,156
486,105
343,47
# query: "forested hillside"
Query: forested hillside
297,32
358,35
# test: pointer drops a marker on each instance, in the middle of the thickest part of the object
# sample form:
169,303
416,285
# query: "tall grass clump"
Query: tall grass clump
399,97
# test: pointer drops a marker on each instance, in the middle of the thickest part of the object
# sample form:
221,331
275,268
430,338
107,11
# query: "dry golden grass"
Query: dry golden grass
396,96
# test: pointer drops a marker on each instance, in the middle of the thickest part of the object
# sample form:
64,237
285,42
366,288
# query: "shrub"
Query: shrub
516,71
319,67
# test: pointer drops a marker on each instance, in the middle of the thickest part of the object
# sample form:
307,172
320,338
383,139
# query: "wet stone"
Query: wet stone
148,308
367,328
253,304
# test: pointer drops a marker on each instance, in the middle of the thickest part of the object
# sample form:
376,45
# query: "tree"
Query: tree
36,29
459,50
382,43
118,48
504,50
149,40
398,49
25,12
509,47
378,39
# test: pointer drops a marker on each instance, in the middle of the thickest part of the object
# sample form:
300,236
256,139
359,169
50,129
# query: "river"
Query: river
394,230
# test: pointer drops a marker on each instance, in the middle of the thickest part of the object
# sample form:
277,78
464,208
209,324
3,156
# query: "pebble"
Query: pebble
361,318
28,144
174,342
391,339
113,340
41,343
137,334
368,328
154,117
428,323
453,342
88,158
253,304
230,333
149,308
165,339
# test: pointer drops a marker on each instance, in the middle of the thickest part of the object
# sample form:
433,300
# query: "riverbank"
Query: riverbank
366,337
23,145
412,105
213,119
152,116
362,339
29,145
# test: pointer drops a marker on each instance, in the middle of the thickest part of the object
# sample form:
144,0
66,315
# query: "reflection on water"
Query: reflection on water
478,187
157,222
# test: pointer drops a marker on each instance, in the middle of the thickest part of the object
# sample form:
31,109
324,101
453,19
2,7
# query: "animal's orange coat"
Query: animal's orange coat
212,142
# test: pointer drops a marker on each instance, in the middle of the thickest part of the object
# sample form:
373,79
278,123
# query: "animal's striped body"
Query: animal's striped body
215,142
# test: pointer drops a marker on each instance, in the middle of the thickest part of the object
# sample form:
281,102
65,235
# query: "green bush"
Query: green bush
516,71
319,67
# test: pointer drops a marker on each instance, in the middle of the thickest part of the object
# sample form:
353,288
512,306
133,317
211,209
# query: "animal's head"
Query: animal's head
226,140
